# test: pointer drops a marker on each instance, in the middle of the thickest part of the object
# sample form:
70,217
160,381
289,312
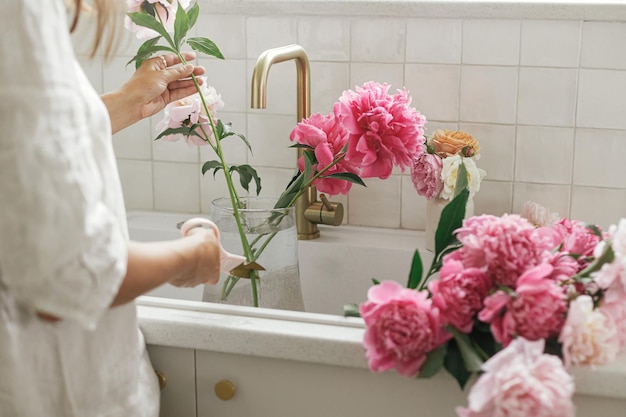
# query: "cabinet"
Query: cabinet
178,397
267,387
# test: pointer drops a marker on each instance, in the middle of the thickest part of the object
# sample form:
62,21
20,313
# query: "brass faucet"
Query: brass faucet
309,211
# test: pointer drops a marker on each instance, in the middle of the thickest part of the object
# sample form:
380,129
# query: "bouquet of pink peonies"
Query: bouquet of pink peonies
434,172
515,303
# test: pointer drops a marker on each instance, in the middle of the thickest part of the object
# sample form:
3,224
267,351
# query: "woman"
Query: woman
70,345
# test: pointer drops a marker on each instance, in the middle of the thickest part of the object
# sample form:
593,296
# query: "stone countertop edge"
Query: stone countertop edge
304,337
606,10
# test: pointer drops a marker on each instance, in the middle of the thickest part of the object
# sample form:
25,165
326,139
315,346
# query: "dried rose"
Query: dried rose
448,143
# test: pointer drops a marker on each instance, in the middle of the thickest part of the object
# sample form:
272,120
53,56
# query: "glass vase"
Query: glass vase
273,239
434,207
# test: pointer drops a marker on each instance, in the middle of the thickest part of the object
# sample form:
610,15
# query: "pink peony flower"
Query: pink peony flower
384,130
189,111
589,337
402,327
536,310
576,238
459,293
521,381
565,266
327,136
426,175
506,246
165,9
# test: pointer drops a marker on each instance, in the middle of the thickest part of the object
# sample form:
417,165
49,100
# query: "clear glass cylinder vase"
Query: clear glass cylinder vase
273,239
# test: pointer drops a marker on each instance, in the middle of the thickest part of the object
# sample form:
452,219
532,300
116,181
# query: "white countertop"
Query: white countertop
610,10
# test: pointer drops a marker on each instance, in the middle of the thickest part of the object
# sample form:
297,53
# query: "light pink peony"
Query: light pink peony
189,111
426,175
402,327
385,130
327,136
522,381
611,278
536,310
589,337
506,246
459,293
165,9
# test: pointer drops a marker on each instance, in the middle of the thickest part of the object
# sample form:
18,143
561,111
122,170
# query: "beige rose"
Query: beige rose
447,143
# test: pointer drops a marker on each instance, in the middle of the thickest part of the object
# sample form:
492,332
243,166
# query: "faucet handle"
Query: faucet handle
324,212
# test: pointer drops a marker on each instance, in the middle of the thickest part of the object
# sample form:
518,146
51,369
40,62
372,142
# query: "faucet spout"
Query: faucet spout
309,212
262,70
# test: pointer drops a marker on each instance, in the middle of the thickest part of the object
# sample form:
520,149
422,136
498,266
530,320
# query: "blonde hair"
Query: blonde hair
105,13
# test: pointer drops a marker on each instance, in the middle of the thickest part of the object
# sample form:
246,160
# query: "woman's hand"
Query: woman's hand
156,83
204,265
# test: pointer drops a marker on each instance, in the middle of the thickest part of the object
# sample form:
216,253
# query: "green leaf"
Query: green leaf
192,14
223,134
290,192
185,131
300,145
144,50
147,21
243,138
451,219
246,175
375,281
181,26
149,8
206,46
417,270
347,176
453,362
607,256
438,260
211,165
594,229
483,340
309,159
472,361
140,58
461,179
434,362
351,310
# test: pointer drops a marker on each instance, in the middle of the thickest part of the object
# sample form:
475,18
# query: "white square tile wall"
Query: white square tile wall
545,98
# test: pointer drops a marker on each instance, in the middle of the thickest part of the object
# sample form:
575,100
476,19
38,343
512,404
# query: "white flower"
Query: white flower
539,215
449,174
589,337
618,236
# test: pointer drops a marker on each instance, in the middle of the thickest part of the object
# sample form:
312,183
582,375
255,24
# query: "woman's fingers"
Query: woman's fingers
171,59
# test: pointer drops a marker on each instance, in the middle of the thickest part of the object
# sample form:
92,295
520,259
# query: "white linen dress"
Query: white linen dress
62,235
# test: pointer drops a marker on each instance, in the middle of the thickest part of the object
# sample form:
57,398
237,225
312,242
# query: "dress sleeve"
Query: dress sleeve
62,247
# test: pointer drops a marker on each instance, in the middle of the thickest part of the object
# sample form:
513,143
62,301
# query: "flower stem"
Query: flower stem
234,198
317,175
